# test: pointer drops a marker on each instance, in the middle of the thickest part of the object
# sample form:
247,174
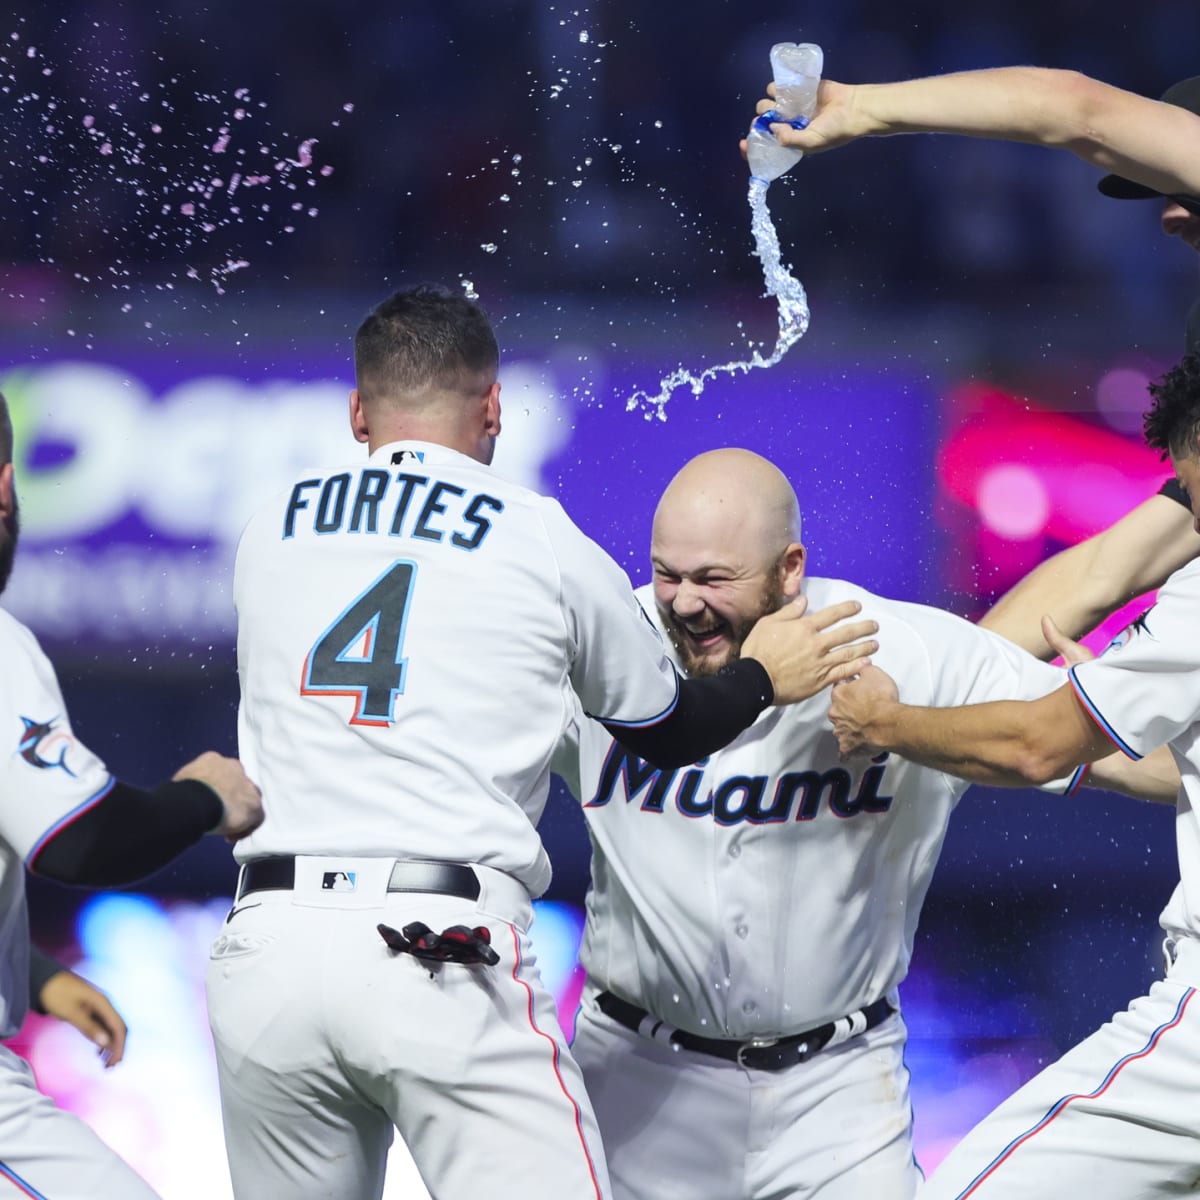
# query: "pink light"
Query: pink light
1090,476
1012,502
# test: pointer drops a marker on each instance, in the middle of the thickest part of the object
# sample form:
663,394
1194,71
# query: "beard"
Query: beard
735,630
8,542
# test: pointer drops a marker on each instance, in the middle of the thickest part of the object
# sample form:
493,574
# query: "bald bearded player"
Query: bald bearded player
751,916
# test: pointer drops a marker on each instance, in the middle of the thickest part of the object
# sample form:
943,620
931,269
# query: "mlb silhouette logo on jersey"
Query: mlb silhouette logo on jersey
339,881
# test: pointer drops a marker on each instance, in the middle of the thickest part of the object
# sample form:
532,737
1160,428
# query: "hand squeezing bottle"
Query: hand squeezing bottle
797,73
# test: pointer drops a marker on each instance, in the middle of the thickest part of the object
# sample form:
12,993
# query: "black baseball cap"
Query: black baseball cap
1185,94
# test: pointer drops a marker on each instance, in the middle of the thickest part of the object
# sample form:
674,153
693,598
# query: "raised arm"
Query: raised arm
1084,584
1152,143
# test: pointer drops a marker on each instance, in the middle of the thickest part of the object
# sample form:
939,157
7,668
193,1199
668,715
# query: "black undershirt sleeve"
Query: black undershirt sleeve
129,834
1173,490
709,714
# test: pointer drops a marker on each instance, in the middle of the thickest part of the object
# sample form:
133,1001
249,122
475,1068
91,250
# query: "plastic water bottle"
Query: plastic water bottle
797,73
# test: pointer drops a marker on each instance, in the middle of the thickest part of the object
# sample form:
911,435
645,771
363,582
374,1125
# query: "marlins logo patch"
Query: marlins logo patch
1127,634
44,745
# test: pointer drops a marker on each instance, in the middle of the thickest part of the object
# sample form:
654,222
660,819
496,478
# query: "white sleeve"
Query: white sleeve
565,761
47,777
619,666
1144,690
970,665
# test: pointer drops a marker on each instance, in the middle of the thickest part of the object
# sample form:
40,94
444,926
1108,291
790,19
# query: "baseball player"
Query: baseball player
1154,148
751,916
64,816
1115,1116
411,632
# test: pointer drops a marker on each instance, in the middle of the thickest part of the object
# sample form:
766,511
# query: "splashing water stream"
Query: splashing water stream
780,283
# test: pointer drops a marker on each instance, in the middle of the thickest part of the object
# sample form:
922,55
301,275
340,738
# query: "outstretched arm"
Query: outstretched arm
1009,743
1086,583
1152,143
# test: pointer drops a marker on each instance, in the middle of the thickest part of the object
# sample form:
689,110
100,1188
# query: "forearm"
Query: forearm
1062,587
1010,743
1080,586
708,715
1023,104
1154,777
1143,140
984,743
129,834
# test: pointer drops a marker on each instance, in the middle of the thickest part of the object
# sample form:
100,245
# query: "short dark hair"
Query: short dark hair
424,336
6,433
1172,423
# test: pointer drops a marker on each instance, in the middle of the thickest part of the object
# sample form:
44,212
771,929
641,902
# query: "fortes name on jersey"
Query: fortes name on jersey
797,795
374,500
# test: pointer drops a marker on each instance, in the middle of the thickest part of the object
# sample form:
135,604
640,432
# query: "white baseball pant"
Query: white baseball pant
1115,1118
326,1039
51,1155
679,1125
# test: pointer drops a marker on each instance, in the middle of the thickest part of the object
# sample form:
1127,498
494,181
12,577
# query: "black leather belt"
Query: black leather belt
762,1054
408,875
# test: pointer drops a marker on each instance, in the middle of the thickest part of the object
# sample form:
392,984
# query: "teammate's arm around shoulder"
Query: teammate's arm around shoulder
1082,585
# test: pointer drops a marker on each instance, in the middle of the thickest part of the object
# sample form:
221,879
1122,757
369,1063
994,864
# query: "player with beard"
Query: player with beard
64,816
751,916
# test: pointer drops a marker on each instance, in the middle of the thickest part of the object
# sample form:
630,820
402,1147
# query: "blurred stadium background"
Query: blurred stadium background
178,288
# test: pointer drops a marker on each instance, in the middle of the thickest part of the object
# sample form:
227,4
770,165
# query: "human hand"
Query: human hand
804,653
70,998
1069,650
856,706
242,800
839,119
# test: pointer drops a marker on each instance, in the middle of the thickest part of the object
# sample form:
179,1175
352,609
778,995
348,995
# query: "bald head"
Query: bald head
735,502
725,550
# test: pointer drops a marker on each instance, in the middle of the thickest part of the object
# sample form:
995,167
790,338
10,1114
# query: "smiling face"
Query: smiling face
725,551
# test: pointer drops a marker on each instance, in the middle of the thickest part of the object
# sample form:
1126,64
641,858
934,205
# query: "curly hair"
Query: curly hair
1172,423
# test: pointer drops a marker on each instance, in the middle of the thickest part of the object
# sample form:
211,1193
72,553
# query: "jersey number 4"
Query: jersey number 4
361,653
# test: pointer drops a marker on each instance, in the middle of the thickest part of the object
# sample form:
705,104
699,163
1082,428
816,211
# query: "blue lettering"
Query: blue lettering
482,525
331,508
638,775
295,503
751,791
434,505
408,484
371,487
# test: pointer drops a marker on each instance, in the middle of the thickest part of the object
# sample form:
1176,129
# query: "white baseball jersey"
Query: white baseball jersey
47,778
412,631
774,887
1107,1120
1144,692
